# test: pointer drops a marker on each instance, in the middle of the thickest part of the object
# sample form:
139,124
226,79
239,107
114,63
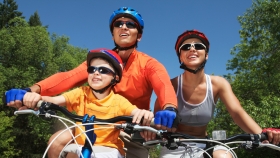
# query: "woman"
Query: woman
198,93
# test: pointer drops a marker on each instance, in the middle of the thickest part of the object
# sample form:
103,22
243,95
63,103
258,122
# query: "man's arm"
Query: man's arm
50,86
62,81
168,118
160,81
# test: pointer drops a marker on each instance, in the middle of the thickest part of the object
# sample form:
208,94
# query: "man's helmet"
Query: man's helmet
129,13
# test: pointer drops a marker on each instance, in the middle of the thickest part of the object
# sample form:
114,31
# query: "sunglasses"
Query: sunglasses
129,24
187,46
101,70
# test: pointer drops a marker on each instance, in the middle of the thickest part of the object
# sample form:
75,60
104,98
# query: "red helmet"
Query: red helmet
110,55
191,34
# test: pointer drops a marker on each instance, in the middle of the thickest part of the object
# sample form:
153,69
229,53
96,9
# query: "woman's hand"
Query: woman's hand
273,135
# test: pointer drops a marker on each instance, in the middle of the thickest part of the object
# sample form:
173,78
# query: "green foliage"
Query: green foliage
256,58
67,56
255,64
6,137
154,151
8,11
28,55
34,20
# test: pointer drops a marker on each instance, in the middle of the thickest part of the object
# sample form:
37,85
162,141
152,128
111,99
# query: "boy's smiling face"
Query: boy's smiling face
99,80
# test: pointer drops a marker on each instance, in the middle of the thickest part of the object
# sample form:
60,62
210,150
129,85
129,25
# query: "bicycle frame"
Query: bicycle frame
86,149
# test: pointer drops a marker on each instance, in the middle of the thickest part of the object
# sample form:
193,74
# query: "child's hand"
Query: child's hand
30,100
145,114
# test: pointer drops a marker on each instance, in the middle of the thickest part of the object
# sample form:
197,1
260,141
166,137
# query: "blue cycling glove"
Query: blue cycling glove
14,94
168,117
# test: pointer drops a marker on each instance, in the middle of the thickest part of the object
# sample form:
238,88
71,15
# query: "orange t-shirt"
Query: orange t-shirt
82,101
141,75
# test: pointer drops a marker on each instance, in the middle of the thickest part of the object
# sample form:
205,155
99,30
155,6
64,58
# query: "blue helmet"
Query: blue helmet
127,12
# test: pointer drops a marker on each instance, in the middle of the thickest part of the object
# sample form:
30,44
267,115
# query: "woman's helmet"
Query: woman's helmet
191,34
111,56
127,12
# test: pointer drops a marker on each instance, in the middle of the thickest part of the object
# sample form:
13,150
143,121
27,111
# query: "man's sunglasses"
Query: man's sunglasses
129,24
101,70
187,46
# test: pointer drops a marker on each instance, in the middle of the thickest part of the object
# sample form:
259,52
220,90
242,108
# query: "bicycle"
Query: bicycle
166,139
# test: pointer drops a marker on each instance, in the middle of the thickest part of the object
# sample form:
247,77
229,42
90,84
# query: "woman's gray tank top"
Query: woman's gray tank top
196,114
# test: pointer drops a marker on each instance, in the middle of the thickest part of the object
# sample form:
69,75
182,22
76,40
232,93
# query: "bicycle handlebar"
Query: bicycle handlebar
45,107
165,138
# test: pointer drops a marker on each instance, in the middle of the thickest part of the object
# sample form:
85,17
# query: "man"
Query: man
141,75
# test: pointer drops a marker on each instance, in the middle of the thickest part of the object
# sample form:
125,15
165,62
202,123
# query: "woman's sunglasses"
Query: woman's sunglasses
101,70
187,46
129,24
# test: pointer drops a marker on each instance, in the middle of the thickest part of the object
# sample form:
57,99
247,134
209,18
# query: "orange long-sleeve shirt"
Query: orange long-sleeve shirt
141,75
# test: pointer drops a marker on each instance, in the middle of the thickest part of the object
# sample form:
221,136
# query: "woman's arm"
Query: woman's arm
238,114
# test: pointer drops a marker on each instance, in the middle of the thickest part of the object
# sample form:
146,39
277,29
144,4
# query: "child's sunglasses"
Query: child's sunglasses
101,70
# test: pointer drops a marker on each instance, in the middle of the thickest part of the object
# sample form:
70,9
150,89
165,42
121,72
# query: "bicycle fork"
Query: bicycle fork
87,148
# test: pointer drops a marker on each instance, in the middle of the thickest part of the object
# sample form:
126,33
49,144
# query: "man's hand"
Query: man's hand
14,98
167,119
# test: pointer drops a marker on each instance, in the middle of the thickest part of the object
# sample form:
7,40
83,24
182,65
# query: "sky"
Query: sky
86,23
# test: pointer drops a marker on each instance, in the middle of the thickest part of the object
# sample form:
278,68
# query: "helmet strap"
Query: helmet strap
183,66
102,90
124,48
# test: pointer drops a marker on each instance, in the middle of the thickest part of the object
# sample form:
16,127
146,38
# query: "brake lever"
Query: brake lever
154,142
27,111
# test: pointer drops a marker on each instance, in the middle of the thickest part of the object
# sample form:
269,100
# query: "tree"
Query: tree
257,57
256,68
34,20
8,11
22,66
28,55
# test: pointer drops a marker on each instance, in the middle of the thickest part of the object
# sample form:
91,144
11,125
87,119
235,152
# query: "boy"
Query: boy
104,71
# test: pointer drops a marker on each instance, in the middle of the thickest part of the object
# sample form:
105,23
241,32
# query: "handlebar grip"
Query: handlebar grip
263,136
152,122
39,104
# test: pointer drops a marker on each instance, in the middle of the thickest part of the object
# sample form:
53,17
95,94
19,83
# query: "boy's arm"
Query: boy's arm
31,99
58,100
